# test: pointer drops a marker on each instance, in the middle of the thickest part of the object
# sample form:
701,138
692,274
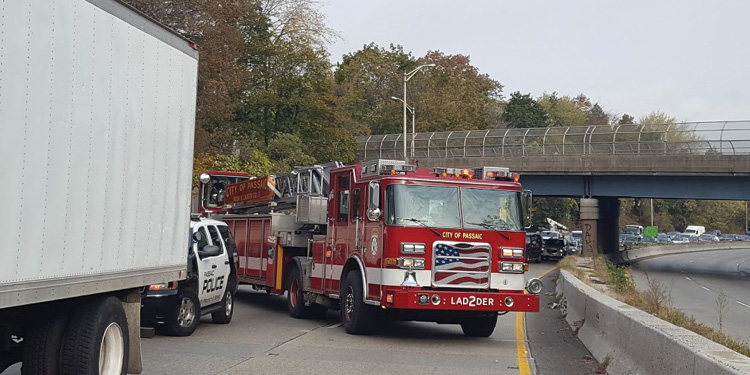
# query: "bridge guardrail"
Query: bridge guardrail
726,137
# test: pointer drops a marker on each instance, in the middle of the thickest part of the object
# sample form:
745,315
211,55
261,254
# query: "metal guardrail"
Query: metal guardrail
726,137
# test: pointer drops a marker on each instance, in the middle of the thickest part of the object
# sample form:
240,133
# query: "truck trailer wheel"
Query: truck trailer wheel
96,340
357,318
184,318
480,326
224,316
42,347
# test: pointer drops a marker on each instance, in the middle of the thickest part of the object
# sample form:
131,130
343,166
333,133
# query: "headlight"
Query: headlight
514,267
158,287
204,178
534,286
416,263
509,252
412,248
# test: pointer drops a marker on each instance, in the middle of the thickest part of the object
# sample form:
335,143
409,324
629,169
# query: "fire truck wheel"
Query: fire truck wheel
295,296
184,318
480,326
357,318
42,345
224,315
96,340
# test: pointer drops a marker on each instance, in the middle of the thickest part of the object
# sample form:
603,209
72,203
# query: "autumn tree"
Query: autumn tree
597,116
563,110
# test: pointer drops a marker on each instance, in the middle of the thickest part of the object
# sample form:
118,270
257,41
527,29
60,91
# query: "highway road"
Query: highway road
695,281
263,339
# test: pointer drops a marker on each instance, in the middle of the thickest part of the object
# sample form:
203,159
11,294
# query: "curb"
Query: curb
637,342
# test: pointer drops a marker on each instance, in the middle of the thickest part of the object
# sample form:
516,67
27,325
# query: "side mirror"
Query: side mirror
373,201
209,251
526,198
373,214
197,236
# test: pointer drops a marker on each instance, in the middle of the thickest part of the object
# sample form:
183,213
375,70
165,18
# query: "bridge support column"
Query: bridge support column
609,224
589,218
600,218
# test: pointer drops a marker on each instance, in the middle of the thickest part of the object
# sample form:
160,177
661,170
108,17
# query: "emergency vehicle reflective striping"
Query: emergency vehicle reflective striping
461,264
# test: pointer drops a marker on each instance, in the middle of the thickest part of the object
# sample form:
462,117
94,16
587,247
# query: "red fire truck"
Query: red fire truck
384,239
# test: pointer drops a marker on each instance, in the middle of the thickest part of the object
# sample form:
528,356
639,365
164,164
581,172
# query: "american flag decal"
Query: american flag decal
460,264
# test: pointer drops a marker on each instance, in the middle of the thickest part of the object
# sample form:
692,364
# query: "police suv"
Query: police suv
176,308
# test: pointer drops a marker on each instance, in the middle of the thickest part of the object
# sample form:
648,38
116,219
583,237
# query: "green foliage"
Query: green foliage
626,119
563,210
563,110
597,116
522,111
287,151
621,281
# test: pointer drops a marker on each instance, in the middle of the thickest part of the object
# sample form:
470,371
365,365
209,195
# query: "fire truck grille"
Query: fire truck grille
461,264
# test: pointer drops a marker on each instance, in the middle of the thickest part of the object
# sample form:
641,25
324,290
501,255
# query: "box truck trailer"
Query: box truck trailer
97,117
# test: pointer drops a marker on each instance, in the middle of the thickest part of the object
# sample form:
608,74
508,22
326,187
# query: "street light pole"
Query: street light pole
407,77
412,110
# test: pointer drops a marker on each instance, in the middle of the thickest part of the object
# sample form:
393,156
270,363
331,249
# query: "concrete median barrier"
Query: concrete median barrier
631,256
636,342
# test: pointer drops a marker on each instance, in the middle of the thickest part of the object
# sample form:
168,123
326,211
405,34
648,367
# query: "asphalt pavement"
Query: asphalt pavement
695,280
263,339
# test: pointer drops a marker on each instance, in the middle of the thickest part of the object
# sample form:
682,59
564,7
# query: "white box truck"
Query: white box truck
97,116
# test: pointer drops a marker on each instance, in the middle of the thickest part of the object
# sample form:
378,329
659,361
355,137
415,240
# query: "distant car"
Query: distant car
673,234
533,247
577,240
708,238
664,238
728,237
547,234
681,238
629,240
742,237
650,241
715,232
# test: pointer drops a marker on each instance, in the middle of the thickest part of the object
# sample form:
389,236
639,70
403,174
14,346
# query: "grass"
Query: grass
655,300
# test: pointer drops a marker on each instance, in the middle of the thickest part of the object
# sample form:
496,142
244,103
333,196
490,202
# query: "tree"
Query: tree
522,111
597,116
626,119
563,110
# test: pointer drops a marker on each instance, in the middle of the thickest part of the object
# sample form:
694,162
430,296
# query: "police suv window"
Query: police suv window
215,238
204,238
228,240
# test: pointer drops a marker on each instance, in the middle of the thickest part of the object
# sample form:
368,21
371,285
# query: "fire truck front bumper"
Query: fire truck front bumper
460,300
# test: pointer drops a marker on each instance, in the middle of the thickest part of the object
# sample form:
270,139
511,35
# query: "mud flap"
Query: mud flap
132,305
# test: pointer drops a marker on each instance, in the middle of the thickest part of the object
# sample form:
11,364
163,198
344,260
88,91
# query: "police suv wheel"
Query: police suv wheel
224,315
185,316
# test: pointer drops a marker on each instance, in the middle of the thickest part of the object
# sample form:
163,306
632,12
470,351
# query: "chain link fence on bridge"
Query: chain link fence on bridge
726,137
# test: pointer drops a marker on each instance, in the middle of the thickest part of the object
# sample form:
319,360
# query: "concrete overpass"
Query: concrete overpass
708,160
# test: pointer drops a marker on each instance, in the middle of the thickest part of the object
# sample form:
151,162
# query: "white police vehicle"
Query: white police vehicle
176,308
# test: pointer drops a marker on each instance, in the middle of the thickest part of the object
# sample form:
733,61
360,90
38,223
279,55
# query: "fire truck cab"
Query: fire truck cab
384,239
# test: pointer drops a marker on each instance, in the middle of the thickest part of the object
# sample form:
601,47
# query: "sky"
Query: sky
689,59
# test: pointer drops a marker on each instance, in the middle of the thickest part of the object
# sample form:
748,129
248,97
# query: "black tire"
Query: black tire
185,316
224,315
99,327
480,326
295,301
42,347
356,317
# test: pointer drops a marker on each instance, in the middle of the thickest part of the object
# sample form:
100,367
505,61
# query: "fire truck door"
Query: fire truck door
338,232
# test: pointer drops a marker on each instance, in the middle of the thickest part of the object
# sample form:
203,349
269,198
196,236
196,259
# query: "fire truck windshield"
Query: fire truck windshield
422,205
215,190
500,209
439,206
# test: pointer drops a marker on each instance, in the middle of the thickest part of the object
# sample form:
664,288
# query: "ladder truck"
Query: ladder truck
385,240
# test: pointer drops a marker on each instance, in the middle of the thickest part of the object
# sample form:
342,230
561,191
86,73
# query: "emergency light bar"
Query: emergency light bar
384,166
481,173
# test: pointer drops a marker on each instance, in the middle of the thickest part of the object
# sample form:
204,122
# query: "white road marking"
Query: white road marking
339,325
688,279
743,304
706,288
